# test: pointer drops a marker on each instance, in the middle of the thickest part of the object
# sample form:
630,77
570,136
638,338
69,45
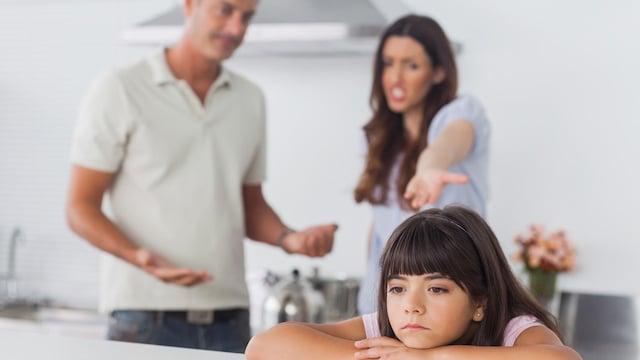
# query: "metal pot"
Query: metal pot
341,296
294,299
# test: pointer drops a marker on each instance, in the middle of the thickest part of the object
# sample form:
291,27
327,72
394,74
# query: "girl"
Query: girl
446,292
422,136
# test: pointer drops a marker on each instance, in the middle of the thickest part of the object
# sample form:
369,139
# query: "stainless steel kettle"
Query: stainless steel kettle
293,299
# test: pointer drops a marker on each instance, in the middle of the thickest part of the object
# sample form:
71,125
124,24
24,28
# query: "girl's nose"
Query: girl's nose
415,304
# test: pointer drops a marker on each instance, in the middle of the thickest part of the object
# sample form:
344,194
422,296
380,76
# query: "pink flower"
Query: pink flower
551,252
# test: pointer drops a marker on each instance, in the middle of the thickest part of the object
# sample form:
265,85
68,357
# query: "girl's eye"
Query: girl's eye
386,63
412,66
395,290
438,290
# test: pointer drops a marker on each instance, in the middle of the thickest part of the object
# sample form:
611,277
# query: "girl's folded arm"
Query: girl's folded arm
534,343
300,341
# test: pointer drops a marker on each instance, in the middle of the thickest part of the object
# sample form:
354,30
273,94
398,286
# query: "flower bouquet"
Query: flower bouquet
544,256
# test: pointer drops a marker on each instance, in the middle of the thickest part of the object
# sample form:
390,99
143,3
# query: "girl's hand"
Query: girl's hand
387,348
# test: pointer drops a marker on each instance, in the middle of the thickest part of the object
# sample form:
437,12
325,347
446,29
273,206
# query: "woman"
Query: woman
425,144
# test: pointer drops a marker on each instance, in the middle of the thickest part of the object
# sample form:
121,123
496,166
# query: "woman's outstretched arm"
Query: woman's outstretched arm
432,174
304,341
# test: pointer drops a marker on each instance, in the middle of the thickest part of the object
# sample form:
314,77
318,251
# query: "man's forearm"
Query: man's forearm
91,224
261,222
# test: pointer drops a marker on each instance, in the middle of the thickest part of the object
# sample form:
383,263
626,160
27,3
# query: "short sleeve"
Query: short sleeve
103,126
464,107
256,173
516,326
371,327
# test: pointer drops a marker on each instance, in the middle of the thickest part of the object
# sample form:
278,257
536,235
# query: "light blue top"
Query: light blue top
472,194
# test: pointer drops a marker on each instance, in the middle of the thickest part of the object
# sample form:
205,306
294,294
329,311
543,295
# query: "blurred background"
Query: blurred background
559,81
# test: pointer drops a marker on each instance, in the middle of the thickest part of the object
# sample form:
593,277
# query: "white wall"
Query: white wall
557,78
51,51
560,82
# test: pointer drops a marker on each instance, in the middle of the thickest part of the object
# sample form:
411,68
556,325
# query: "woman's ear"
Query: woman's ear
439,75
187,7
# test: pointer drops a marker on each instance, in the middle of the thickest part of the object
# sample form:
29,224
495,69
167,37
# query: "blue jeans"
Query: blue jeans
229,333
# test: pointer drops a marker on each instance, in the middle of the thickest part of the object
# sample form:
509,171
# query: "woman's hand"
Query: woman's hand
426,186
387,348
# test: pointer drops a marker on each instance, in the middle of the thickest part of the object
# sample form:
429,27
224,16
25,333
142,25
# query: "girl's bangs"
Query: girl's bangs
420,251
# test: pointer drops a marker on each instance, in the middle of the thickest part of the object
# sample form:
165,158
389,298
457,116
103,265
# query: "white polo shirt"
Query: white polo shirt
179,169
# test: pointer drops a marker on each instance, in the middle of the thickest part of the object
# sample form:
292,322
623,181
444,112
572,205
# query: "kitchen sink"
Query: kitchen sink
32,312
46,318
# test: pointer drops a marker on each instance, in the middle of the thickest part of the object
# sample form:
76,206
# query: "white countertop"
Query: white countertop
24,345
94,330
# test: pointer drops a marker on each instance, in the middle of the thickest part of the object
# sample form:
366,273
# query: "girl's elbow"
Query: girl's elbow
268,345
256,349
571,354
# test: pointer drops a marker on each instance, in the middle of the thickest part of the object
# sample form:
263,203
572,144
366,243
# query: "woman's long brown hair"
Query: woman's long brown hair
385,133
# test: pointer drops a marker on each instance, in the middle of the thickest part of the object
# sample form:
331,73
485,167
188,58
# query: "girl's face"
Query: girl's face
427,311
407,74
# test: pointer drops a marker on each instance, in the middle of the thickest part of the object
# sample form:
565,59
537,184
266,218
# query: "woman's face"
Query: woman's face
427,311
407,74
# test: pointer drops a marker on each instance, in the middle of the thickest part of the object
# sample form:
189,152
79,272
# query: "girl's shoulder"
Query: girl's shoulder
370,322
516,326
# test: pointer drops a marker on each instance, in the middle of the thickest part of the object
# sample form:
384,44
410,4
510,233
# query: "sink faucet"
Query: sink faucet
9,278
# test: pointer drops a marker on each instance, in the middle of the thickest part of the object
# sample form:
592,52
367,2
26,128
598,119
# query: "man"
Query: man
178,144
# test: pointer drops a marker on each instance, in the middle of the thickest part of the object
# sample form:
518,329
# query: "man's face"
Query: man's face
216,27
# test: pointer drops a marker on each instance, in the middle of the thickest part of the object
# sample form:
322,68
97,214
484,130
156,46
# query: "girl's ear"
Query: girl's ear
478,314
439,75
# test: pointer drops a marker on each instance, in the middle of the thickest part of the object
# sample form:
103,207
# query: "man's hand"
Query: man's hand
165,271
425,187
315,241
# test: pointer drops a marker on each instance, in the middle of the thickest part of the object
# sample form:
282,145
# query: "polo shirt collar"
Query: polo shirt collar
162,74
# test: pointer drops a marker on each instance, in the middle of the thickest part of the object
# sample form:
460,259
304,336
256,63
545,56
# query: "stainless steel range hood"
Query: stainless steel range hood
292,27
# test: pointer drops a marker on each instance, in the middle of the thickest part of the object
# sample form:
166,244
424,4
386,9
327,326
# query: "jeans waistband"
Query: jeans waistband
202,317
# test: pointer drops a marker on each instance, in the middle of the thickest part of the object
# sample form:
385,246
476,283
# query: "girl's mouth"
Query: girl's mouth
414,327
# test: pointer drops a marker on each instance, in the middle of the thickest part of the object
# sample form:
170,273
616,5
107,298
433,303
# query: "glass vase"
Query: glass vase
542,285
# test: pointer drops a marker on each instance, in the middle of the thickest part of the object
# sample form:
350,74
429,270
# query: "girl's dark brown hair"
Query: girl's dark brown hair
385,133
457,243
